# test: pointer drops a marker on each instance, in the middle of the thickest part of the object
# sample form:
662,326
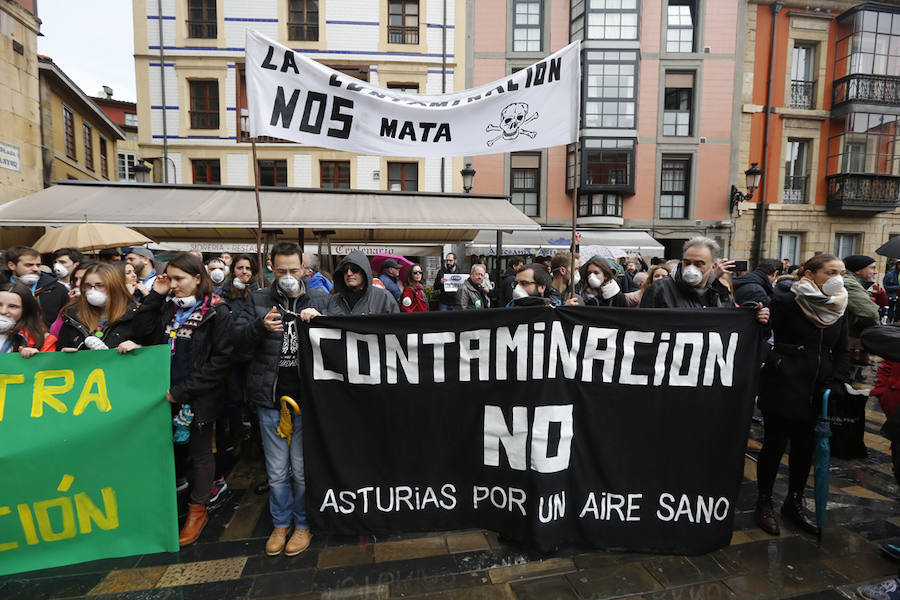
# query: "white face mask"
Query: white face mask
60,270
692,276
238,284
288,284
94,343
29,279
834,286
407,301
577,276
6,324
519,292
610,289
595,281
185,302
217,275
95,297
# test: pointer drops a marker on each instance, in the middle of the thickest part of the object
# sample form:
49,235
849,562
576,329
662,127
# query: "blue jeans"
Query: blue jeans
446,306
284,465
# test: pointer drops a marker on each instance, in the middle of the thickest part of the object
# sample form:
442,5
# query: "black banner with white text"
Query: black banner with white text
612,428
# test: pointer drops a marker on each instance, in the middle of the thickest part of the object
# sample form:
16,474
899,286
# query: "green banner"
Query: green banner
86,467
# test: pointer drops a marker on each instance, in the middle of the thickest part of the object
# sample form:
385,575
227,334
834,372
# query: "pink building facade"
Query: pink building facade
658,108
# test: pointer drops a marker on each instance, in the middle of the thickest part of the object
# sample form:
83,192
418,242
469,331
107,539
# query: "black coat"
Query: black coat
805,361
211,352
755,286
504,289
73,332
250,337
445,297
672,292
51,296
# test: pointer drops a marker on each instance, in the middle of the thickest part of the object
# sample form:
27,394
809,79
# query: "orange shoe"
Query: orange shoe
196,520
276,541
298,542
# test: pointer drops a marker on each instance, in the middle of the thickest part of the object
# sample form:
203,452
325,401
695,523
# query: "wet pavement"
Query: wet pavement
229,562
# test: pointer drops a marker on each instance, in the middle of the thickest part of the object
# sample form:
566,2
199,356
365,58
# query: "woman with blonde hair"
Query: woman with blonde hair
102,315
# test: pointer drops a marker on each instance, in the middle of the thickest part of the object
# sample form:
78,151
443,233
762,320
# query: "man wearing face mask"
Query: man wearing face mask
65,262
532,286
218,271
695,282
558,291
266,331
24,266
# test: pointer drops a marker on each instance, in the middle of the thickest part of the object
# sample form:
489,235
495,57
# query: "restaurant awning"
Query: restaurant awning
548,241
195,213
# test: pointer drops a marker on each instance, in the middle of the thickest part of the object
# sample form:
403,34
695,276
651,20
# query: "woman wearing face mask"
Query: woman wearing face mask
74,293
810,356
244,282
598,285
21,328
101,316
413,298
196,325
218,271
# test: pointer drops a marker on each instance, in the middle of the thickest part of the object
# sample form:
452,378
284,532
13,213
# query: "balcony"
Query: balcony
862,193
244,133
803,94
867,89
795,189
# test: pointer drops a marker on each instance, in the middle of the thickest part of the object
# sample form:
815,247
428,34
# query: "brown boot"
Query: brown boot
765,516
277,540
196,521
298,542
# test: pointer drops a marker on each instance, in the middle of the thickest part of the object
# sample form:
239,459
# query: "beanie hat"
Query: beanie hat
857,261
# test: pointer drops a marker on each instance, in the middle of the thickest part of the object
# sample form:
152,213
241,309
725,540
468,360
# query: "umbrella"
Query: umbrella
89,236
821,460
404,263
890,248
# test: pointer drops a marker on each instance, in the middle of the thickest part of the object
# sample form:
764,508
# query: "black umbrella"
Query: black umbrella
890,248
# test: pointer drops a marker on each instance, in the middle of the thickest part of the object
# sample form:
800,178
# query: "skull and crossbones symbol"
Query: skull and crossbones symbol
512,117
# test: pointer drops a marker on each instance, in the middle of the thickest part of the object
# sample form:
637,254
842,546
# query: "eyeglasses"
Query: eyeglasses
94,286
353,269
523,283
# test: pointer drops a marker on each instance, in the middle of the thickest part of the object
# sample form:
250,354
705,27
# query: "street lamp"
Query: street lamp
468,175
753,175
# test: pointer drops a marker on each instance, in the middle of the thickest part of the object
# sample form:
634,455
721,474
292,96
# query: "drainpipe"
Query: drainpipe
759,244
443,76
162,81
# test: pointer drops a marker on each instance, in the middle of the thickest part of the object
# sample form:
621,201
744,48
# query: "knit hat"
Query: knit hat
857,261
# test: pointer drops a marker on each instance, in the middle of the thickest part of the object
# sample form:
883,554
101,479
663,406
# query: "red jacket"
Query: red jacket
418,301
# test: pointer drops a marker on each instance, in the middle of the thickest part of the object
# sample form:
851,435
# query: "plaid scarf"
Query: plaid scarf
822,310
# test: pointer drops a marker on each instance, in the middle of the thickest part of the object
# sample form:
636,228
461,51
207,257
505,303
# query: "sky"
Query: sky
92,41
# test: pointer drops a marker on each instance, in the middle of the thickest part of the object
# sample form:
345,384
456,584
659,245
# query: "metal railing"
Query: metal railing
795,189
803,94
863,192
875,89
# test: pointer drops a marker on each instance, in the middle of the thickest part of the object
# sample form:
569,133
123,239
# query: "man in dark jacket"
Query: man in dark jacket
24,265
266,330
353,292
503,291
471,294
390,275
447,300
756,286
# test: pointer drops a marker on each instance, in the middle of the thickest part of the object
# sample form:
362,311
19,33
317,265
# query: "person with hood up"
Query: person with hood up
21,327
413,298
267,331
472,293
354,293
757,285
598,284
24,266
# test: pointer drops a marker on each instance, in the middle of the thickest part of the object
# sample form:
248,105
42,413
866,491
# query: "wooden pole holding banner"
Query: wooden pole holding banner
577,173
259,254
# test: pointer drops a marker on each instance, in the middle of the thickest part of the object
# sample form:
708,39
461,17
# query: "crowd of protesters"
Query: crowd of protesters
234,345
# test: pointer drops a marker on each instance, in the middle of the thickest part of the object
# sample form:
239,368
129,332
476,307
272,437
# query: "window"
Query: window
88,133
845,244
673,193
104,163
201,19
125,162
524,182
789,247
69,126
407,88
273,173
612,20
607,162
334,174
867,144
610,90
403,177
206,171
680,26
677,104
204,104
527,25
854,157
803,76
131,120
303,20
599,205
796,173
874,47
403,21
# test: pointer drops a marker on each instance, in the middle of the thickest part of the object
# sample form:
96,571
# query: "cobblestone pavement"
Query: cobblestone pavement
228,561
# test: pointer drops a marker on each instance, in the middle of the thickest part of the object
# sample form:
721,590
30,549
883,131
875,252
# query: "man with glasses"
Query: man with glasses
531,285
354,293
447,300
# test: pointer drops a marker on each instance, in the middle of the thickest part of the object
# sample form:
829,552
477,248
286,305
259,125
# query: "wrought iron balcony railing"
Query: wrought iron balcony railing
803,94
870,89
862,193
795,189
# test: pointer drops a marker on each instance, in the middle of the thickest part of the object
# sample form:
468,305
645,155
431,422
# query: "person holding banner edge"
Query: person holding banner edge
21,328
196,324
